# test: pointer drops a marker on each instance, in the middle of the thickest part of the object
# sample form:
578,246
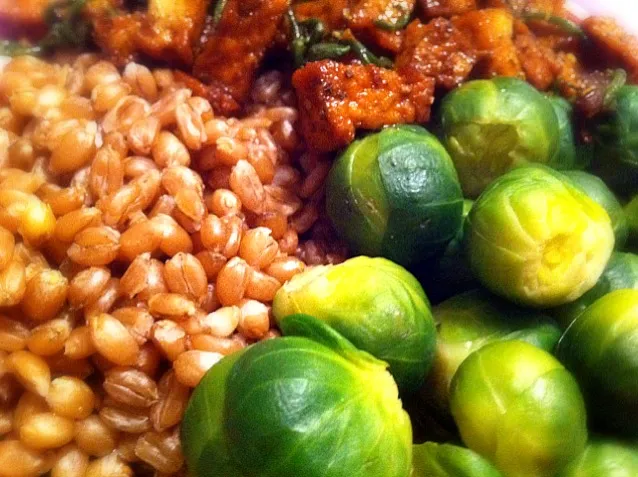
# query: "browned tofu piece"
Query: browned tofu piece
330,12
336,99
173,27
537,60
117,35
437,49
168,31
234,50
491,32
613,43
22,18
446,8
217,94
366,19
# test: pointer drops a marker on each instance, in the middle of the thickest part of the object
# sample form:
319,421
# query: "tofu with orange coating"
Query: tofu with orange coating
167,31
234,49
491,31
437,49
336,99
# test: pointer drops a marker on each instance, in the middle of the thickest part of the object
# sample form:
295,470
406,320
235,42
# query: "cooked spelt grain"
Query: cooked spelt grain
123,197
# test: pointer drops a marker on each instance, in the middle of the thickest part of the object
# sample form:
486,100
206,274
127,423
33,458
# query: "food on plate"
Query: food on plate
537,239
510,386
390,318
395,194
599,347
271,238
334,411
492,126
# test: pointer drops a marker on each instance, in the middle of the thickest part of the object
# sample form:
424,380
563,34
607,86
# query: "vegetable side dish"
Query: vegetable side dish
318,238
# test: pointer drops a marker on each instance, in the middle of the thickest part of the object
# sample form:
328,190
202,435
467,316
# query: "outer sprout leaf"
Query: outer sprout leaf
294,407
566,157
310,327
598,191
446,460
605,457
205,445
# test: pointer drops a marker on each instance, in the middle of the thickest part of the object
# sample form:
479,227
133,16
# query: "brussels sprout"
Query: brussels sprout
296,406
604,458
621,272
600,349
596,189
449,274
446,460
470,321
491,126
567,156
377,305
616,142
395,194
517,406
535,238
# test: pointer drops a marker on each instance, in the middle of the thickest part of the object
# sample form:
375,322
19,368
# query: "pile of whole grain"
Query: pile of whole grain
141,239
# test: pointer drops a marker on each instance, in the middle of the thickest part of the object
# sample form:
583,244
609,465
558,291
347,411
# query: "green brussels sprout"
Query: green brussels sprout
616,142
449,274
376,304
517,406
445,460
535,238
621,272
466,323
297,406
604,458
596,189
567,156
600,349
395,194
492,126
